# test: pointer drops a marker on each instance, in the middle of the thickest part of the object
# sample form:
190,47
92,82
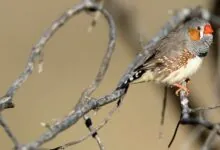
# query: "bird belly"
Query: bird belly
184,72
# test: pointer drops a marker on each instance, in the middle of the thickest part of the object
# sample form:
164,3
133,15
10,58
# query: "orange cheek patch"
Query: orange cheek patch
194,34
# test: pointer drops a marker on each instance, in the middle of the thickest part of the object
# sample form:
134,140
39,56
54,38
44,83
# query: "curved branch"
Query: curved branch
83,108
6,100
107,57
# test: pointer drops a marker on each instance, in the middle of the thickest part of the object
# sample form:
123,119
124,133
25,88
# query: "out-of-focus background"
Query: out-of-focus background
72,58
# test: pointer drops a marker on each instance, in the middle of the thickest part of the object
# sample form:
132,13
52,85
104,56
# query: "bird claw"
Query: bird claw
181,88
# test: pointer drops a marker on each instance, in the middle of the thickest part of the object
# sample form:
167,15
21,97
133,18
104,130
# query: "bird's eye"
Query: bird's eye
199,28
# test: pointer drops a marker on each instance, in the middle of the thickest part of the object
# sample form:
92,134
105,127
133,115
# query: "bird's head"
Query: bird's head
199,35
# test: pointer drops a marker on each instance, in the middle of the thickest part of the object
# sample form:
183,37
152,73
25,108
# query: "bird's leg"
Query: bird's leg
181,87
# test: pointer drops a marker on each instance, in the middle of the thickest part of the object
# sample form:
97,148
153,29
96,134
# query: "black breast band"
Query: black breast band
202,54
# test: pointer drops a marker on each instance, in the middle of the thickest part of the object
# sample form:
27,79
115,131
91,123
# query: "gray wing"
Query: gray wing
169,48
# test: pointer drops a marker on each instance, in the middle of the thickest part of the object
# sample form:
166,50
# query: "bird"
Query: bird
176,57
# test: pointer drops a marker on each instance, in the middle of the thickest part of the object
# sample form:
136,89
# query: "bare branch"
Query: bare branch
205,108
187,119
107,57
102,69
88,122
8,132
81,110
210,138
163,111
36,51
73,117
100,126
164,106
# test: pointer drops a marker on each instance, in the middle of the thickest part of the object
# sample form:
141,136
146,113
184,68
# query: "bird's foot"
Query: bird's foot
180,88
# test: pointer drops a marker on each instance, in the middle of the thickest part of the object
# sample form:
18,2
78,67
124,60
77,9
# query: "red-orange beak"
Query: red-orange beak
208,29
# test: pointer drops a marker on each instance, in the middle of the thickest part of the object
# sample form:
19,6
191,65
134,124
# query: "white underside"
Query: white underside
176,76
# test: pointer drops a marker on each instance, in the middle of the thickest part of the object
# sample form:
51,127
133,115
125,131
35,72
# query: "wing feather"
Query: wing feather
170,48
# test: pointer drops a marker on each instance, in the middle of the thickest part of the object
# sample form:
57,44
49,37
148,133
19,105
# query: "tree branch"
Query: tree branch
9,132
6,100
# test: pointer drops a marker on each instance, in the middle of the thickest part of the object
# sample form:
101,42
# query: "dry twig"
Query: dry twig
9,132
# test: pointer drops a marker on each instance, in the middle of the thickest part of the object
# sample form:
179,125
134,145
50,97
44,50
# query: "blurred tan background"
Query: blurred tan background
72,58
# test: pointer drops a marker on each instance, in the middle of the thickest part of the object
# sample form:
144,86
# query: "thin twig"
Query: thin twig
164,105
163,111
100,126
107,57
209,140
187,119
80,110
101,72
36,51
9,132
73,117
205,108
88,122
174,134
96,16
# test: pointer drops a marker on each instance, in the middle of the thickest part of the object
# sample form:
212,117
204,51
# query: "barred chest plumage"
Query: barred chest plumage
182,73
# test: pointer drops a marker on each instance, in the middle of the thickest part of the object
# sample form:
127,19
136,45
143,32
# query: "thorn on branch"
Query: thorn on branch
46,125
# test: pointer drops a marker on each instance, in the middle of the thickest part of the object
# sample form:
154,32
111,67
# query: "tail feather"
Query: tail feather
137,74
124,86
